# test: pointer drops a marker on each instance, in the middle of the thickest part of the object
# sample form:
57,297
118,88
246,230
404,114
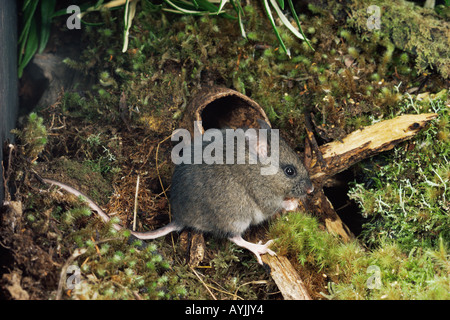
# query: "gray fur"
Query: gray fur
226,199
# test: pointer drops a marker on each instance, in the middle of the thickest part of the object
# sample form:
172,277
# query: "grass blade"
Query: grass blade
222,3
28,40
208,6
272,22
130,11
47,11
240,12
281,3
237,6
285,20
182,10
291,6
28,13
30,47
241,25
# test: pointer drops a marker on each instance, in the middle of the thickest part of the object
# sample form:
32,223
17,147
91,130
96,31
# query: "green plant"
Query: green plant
33,136
38,15
407,196
205,7
416,274
285,21
37,20
33,35
117,268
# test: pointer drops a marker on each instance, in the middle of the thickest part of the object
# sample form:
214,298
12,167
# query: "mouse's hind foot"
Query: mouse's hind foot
257,248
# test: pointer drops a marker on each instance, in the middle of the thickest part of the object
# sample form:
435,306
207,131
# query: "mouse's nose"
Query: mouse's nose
309,188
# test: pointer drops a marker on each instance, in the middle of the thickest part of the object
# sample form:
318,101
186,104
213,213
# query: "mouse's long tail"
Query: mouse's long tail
89,201
172,226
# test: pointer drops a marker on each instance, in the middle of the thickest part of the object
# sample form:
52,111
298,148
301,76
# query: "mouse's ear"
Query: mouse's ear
263,124
257,145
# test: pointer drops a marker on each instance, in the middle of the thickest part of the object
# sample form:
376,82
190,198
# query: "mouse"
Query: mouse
226,199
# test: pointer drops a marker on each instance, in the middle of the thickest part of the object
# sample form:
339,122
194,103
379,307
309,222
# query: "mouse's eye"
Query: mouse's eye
290,171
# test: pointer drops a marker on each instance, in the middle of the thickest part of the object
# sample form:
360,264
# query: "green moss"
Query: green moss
411,28
99,188
350,268
405,244
33,136
125,274
70,216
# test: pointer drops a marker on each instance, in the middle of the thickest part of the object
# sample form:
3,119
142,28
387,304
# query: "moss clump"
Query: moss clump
113,269
352,272
410,27
85,175
33,137
112,265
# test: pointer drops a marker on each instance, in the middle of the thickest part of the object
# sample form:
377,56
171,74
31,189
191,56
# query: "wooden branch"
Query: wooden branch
286,278
192,245
322,208
361,144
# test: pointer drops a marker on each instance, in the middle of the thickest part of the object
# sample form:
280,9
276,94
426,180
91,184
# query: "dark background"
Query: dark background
8,77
